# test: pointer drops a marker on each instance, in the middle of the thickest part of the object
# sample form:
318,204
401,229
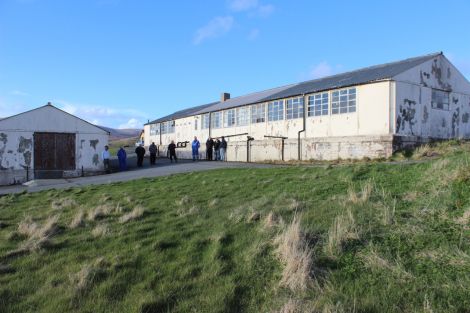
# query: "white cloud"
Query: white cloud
242,5
265,10
104,116
254,33
19,93
132,123
323,69
215,28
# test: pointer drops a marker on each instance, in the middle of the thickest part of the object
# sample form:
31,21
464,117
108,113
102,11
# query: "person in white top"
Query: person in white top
105,155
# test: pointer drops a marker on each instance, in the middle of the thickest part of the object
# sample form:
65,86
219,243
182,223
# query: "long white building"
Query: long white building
369,112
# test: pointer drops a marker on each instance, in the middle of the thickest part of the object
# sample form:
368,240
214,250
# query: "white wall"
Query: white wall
17,142
414,114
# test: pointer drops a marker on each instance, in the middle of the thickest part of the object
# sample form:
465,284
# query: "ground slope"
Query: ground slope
365,237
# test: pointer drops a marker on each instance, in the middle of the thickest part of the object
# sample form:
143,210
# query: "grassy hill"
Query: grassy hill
363,237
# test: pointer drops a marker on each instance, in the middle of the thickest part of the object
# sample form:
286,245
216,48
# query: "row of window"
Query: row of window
342,101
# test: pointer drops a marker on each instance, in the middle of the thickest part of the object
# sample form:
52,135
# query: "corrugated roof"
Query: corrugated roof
357,77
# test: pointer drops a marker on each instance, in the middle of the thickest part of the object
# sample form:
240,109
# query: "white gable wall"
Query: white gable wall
414,114
17,142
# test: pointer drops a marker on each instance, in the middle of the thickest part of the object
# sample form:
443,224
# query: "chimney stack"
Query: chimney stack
224,96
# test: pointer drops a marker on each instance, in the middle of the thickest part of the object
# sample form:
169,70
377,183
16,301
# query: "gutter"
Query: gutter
303,128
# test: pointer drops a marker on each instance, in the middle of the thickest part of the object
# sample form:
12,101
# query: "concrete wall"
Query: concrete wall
331,148
414,114
17,142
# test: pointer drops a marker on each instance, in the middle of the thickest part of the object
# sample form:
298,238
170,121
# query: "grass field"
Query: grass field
364,237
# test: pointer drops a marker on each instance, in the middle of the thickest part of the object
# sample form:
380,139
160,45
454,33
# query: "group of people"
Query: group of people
215,151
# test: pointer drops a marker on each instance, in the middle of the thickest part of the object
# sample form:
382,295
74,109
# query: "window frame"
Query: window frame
295,108
205,122
276,110
258,113
243,119
230,115
216,120
316,104
344,99
433,103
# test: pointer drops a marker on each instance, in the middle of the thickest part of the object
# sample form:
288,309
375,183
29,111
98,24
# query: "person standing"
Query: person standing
209,145
140,151
195,147
223,149
122,156
153,153
172,151
105,155
217,150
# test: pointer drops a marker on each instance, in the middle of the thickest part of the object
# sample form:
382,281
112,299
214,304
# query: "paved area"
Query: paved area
163,168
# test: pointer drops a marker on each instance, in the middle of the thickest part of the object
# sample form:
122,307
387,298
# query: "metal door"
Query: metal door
53,154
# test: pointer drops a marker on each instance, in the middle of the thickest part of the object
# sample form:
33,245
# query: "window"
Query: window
164,128
343,101
318,104
205,121
195,123
440,99
229,118
154,129
276,110
258,113
295,108
243,116
216,119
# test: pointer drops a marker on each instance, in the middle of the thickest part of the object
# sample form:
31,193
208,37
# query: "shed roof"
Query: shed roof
353,78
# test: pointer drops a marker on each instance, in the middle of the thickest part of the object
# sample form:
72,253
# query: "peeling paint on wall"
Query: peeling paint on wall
3,138
407,115
465,117
96,159
425,114
437,73
455,122
93,143
421,76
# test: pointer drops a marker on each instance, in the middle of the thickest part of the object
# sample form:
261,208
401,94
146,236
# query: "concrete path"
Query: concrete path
163,168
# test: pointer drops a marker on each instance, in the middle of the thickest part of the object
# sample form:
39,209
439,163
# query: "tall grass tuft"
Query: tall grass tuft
343,228
78,220
295,254
37,236
136,213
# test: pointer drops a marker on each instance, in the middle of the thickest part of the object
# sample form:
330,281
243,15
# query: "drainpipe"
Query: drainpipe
160,133
248,139
210,124
303,129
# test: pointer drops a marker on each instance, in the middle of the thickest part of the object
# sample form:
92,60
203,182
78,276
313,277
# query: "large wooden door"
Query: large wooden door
53,154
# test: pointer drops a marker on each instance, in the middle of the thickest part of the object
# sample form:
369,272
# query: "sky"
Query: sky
120,63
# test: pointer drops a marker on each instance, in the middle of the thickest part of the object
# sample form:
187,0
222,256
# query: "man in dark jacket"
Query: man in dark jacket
140,151
209,145
172,151
223,149
217,150
153,153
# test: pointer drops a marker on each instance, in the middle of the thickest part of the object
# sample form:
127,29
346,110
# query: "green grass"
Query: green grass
401,241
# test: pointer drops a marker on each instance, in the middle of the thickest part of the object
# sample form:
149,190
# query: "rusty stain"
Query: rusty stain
93,143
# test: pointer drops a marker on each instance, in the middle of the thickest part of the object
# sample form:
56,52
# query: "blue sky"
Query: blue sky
119,63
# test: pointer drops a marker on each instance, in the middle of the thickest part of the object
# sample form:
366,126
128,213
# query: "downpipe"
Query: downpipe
299,143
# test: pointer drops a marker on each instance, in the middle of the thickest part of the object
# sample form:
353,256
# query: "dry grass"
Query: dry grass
99,212
272,220
213,203
136,213
364,195
292,306
38,236
78,220
84,280
64,203
185,200
253,217
344,228
295,254
465,218
374,261
100,230
295,205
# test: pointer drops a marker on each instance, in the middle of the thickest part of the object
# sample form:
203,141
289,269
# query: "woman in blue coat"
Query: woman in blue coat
122,156
195,147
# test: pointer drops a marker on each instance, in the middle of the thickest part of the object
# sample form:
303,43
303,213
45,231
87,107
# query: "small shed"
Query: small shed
47,142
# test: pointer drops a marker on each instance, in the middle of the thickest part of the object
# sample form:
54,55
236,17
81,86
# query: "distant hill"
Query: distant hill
116,134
